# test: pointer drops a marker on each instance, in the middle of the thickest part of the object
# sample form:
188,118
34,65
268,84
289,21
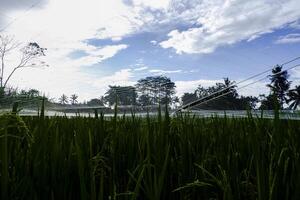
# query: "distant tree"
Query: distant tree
63,99
201,92
294,97
269,102
279,84
74,99
125,95
11,92
29,58
33,93
188,98
221,96
246,102
96,102
155,90
144,100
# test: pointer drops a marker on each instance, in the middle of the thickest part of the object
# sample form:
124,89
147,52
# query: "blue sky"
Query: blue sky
93,44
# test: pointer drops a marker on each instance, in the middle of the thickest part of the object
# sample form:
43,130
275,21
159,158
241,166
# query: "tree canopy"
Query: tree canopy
155,90
125,95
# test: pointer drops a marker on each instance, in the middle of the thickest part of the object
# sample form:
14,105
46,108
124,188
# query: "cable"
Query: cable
230,86
244,86
17,18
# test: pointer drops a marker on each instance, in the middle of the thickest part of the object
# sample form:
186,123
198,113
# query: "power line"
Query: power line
18,17
243,86
230,86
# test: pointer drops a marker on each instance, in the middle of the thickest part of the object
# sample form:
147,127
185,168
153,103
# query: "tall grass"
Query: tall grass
149,158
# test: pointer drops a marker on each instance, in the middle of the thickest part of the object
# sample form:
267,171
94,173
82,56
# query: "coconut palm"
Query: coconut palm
63,99
279,84
294,97
74,98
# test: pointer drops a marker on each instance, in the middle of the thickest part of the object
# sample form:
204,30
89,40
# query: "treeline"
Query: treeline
155,90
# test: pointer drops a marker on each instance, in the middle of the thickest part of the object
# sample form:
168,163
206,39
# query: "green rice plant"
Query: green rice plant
155,157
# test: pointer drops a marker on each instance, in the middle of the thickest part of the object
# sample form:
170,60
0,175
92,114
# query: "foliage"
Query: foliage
96,102
63,99
188,98
29,57
125,95
279,84
155,90
294,97
229,100
74,99
150,158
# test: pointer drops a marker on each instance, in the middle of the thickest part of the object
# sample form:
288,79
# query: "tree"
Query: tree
125,95
269,102
96,102
144,100
33,93
279,84
29,57
74,99
188,98
63,99
294,97
221,96
156,90
202,92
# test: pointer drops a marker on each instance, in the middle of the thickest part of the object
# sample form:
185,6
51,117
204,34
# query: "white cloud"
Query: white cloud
254,89
63,26
122,77
153,4
161,72
141,68
65,75
98,54
290,38
154,42
191,86
222,23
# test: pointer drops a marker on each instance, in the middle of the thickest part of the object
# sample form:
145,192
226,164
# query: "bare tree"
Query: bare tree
29,57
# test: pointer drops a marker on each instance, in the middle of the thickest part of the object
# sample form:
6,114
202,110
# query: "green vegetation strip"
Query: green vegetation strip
149,158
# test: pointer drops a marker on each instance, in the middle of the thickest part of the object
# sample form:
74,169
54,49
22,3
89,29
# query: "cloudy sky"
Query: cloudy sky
95,43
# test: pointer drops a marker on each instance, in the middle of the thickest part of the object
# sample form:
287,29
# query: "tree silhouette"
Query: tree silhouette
279,84
155,90
63,99
294,97
126,95
188,98
29,57
96,102
74,99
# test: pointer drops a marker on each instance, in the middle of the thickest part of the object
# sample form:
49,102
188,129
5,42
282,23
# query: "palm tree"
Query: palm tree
294,97
74,98
63,99
279,84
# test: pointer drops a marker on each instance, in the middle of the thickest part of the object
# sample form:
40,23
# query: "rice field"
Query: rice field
154,157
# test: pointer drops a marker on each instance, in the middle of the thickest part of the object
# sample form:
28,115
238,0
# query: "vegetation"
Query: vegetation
160,90
156,90
125,95
230,99
149,158
294,97
29,57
